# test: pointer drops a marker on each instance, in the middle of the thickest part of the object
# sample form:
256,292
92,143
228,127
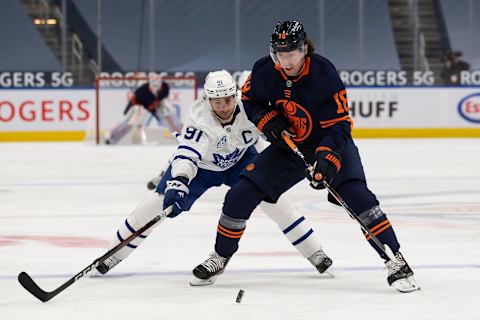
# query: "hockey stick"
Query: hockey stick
384,248
27,282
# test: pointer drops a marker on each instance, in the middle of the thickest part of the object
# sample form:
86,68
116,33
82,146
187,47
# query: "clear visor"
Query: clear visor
284,48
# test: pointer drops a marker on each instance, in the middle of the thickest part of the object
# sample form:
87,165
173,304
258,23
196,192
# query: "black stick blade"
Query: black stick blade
27,282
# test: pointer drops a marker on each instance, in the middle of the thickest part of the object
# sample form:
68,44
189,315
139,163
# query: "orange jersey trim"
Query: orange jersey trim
305,71
282,73
329,123
334,120
323,148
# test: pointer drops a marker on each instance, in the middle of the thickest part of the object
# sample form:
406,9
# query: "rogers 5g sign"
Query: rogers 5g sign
20,79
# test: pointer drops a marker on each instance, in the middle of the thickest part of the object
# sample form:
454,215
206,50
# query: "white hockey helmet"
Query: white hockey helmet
155,82
219,84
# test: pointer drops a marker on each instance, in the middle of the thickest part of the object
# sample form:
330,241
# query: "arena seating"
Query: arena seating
23,49
202,36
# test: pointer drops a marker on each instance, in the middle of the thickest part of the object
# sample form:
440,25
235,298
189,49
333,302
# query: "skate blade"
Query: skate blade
196,282
406,285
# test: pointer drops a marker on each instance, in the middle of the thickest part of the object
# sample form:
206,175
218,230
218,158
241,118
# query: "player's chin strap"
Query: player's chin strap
384,248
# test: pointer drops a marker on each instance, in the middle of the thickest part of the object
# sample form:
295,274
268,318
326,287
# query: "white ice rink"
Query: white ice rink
60,204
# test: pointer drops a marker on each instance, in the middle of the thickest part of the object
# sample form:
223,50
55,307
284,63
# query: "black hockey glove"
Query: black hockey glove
326,166
175,194
272,124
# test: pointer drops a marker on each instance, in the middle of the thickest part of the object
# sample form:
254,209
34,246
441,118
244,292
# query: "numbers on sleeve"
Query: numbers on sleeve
341,101
193,134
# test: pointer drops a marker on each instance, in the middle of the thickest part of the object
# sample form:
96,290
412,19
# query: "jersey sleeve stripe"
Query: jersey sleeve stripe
329,123
185,158
192,150
335,120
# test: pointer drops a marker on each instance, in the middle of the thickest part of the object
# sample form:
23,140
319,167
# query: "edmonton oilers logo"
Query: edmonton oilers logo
299,117
469,108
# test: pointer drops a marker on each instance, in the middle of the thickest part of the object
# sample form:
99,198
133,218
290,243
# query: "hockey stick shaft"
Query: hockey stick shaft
340,200
27,282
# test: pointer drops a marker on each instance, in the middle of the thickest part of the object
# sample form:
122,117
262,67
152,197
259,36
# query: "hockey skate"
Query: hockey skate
400,275
106,266
321,262
206,273
152,184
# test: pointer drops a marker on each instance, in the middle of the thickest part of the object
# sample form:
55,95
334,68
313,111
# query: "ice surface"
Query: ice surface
60,204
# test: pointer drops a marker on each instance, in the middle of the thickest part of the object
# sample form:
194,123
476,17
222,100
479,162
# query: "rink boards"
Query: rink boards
66,114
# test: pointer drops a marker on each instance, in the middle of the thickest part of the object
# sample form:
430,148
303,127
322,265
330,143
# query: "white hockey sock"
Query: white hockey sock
145,211
293,225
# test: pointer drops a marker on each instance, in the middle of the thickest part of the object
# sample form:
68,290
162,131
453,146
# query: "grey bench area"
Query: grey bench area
210,34
463,27
22,49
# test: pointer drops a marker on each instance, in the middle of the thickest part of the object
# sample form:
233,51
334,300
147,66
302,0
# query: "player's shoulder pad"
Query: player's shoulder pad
325,72
198,108
263,65
201,115
322,64
262,72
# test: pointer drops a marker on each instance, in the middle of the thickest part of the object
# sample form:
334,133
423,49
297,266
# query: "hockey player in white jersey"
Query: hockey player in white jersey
216,144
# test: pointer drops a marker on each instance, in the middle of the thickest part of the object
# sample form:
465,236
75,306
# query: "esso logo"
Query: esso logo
469,108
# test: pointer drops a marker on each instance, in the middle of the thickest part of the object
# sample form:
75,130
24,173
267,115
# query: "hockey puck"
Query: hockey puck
240,295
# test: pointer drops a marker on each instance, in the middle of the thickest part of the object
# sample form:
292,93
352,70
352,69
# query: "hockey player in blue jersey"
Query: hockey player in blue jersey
215,145
152,97
298,92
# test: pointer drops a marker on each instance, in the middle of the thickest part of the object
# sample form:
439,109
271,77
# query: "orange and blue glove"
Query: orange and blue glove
272,124
327,165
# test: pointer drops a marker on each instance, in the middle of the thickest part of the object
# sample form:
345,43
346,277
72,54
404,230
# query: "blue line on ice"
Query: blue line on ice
245,271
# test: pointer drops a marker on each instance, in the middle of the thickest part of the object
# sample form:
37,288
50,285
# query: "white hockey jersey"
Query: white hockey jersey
207,144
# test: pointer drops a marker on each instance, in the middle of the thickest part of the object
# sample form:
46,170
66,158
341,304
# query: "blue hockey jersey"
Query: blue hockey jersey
315,101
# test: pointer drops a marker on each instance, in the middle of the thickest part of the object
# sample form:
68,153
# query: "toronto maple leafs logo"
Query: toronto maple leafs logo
225,161
221,142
